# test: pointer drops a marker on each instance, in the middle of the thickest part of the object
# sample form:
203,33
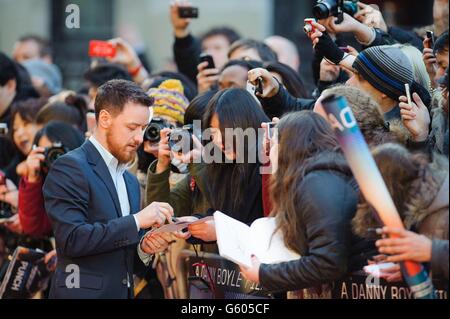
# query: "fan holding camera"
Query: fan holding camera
338,16
169,107
51,142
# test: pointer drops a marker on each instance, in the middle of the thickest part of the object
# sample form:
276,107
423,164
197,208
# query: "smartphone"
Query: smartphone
101,49
259,86
430,35
270,127
188,12
253,89
204,57
408,94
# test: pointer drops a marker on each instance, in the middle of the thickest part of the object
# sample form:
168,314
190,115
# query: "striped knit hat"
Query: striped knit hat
386,68
169,100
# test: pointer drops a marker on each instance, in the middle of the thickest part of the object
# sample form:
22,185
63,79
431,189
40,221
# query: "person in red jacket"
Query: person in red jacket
61,137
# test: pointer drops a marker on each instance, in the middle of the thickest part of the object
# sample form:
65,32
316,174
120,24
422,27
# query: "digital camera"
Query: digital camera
327,8
53,153
153,131
181,139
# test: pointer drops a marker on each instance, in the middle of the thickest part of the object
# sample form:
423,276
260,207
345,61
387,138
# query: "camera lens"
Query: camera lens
152,133
350,7
308,28
180,140
53,154
321,10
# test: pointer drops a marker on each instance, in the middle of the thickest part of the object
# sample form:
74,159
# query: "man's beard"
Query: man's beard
119,153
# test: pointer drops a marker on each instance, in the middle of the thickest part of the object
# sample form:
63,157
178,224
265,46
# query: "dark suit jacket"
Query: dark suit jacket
90,232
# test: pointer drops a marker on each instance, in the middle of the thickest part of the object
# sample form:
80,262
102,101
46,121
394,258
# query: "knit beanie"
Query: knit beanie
386,68
169,100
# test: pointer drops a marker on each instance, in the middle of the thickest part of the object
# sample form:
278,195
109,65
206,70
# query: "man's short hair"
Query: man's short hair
113,95
44,46
441,43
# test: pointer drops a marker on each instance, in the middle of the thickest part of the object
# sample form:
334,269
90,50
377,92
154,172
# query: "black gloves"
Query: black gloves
327,48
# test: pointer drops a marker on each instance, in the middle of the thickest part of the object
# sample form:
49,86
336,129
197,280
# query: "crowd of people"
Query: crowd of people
87,173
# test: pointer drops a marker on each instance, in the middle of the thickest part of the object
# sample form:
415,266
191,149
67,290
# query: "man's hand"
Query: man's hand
180,25
154,214
404,245
270,84
156,243
206,78
252,273
415,117
33,162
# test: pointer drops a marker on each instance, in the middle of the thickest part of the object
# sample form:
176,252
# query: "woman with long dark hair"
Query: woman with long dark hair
229,183
314,198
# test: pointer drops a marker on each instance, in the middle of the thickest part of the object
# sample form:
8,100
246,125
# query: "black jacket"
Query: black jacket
407,37
186,51
283,103
326,200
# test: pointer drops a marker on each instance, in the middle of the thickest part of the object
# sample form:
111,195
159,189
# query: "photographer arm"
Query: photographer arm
275,99
158,189
31,210
186,48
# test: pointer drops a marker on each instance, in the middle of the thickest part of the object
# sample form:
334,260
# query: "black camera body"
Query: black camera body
153,131
53,153
181,139
188,12
327,8
204,57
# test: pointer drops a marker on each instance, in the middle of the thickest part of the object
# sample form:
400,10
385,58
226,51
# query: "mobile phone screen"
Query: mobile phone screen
101,49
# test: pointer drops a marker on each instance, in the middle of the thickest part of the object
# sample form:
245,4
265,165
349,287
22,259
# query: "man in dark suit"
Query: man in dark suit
94,203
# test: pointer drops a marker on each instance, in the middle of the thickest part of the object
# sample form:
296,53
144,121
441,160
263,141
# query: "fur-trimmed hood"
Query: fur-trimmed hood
422,204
